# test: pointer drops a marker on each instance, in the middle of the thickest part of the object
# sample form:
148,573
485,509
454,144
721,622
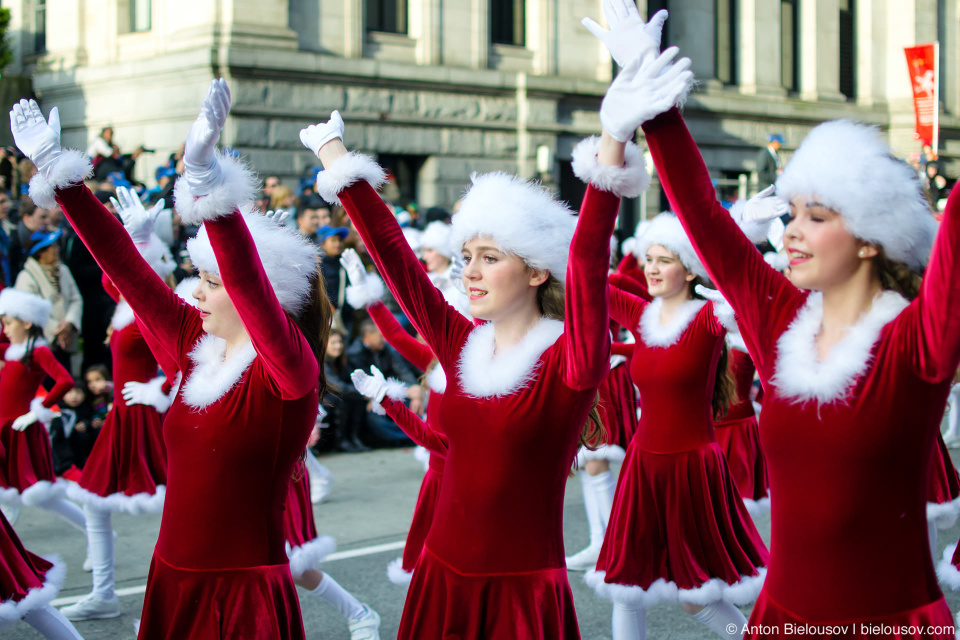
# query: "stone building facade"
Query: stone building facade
440,88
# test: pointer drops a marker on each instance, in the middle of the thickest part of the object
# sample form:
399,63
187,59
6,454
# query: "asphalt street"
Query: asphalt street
368,512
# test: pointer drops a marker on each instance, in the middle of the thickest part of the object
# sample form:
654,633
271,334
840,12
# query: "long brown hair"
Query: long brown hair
724,385
550,299
314,323
897,276
34,333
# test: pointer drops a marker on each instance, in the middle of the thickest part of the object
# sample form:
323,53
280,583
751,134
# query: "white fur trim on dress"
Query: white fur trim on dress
741,593
396,390
947,573
120,502
347,170
43,491
522,218
24,306
211,377
44,415
157,254
437,379
484,374
363,295
17,351
36,598
237,185
309,554
397,575
801,376
655,334
756,507
437,237
122,316
627,181
72,167
943,514
880,198
666,231
289,259
609,452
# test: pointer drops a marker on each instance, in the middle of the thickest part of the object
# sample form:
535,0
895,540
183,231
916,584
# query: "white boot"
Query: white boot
102,602
587,558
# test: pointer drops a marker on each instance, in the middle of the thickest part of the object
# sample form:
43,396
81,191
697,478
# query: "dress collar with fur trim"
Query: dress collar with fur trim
17,351
212,377
484,374
800,376
122,316
655,334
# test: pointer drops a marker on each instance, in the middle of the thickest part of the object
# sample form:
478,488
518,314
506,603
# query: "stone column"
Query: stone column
820,50
760,47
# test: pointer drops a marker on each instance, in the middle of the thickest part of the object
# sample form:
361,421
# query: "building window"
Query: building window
40,27
507,22
848,49
140,15
387,15
789,45
652,7
726,53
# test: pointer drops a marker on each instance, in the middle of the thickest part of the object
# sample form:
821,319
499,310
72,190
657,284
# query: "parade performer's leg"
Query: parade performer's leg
629,622
51,624
721,617
102,601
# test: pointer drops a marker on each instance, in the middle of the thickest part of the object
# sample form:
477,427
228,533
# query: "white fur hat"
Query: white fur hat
437,237
185,288
666,231
158,256
289,259
24,306
522,217
849,168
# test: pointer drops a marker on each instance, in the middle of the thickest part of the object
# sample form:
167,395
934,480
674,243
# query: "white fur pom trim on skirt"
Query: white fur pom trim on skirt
741,593
43,491
120,502
947,573
944,514
310,554
11,612
396,573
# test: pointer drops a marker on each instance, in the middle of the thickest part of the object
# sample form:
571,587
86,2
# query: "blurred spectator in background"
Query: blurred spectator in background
45,276
107,157
282,198
934,183
269,185
5,229
32,218
335,276
347,408
312,214
7,158
25,170
768,161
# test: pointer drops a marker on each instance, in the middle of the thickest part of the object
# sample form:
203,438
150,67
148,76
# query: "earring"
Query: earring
863,253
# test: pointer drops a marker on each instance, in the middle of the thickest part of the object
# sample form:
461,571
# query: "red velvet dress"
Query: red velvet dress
304,547
492,565
26,462
943,487
617,409
220,569
739,438
678,528
27,581
419,355
848,445
127,468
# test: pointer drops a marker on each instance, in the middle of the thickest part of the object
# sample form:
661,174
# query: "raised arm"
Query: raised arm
347,179
934,335
626,308
62,379
387,395
210,192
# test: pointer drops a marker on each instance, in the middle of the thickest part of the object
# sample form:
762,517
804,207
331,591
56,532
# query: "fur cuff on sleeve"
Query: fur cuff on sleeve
396,390
371,291
347,170
627,181
43,414
237,187
72,167
726,315
756,232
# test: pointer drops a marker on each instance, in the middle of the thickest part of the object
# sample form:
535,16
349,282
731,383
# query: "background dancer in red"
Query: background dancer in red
519,388
26,463
247,405
856,366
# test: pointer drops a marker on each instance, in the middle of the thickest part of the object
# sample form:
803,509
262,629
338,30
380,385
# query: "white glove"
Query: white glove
373,386
24,421
356,272
628,37
456,274
279,216
721,308
642,91
202,171
317,135
775,233
38,138
148,393
137,220
765,206
778,261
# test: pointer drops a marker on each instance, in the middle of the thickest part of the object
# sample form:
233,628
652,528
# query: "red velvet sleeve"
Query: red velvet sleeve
415,427
110,288
932,332
277,339
631,268
631,285
166,361
444,328
762,297
172,321
62,379
411,349
586,334
624,349
626,308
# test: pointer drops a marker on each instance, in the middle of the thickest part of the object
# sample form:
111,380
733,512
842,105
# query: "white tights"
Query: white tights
100,541
721,617
51,624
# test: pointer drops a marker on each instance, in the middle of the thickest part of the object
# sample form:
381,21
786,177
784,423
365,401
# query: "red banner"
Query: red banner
924,79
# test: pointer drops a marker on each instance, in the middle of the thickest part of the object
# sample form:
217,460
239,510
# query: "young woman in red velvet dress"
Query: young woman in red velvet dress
856,359
249,397
519,388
